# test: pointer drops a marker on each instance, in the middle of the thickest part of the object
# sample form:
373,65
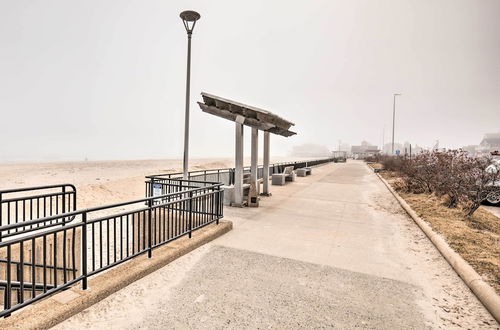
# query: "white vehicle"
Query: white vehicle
493,198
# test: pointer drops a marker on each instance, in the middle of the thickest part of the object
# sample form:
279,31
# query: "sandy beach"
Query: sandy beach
103,182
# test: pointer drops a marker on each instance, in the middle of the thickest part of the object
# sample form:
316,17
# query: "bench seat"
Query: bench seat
304,171
279,179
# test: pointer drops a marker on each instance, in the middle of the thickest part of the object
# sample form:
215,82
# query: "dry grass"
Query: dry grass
376,165
476,239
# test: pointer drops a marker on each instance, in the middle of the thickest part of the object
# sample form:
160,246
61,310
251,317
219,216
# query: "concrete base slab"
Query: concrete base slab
55,309
237,289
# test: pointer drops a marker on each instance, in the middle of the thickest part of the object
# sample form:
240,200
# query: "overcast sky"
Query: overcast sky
106,79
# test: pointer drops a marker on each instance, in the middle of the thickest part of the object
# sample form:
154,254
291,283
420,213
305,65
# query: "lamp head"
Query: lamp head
189,18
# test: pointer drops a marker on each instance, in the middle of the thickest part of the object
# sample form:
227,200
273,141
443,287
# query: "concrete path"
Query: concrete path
331,250
493,209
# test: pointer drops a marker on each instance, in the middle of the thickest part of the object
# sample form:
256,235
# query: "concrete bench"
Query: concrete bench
304,171
288,174
229,193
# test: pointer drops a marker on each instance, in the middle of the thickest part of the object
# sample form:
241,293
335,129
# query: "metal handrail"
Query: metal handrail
228,173
98,208
216,170
102,240
18,207
13,190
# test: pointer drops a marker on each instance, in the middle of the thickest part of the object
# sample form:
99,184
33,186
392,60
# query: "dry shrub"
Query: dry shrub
462,180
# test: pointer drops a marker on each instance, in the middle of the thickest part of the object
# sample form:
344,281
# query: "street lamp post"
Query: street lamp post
189,19
394,119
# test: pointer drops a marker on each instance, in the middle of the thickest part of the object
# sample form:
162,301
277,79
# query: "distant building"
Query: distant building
364,150
489,144
470,149
310,150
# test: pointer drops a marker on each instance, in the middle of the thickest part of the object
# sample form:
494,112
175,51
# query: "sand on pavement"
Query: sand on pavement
331,250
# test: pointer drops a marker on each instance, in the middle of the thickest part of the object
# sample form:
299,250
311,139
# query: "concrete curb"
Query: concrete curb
61,306
485,293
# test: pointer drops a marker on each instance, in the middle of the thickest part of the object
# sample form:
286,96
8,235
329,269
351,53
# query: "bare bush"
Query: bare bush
451,170
392,163
478,182
419,173
456,177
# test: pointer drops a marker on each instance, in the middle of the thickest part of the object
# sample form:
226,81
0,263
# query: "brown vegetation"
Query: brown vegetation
465,181
476,238
376,166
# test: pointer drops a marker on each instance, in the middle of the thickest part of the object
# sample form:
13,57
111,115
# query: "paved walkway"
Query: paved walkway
332,250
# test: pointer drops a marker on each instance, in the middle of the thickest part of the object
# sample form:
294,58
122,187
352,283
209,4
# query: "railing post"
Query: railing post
1,220
150,229
84,252
221,203
63,204
217,205
8,288
151,189
190,213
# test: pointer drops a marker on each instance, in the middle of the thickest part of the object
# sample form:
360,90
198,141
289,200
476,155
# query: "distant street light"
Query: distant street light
393,120
189,19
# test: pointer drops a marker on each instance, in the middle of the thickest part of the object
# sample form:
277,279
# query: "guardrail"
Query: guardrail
226,175
23,204
41,261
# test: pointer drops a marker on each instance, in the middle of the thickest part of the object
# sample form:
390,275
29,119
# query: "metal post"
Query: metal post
190,213
84,251
150,229
63,197
151,188
393,120
8,289
383,140
265,188
217,205
1,220
186,118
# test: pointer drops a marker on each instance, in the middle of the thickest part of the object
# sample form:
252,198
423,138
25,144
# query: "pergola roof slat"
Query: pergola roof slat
254,117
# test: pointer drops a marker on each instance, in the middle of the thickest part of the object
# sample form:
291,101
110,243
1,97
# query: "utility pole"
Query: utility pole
394,120
383,140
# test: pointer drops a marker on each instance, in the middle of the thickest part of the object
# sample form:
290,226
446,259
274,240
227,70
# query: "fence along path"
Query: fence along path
46,244
39,257
226,175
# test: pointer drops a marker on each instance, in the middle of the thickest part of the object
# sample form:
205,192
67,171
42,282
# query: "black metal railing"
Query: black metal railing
24,204
41,261
226,175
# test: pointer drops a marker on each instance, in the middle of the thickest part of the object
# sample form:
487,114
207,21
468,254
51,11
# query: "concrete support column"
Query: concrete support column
238,162
255,155
265,188
253,194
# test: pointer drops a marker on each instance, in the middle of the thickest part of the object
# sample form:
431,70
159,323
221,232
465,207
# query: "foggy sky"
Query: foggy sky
105,79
